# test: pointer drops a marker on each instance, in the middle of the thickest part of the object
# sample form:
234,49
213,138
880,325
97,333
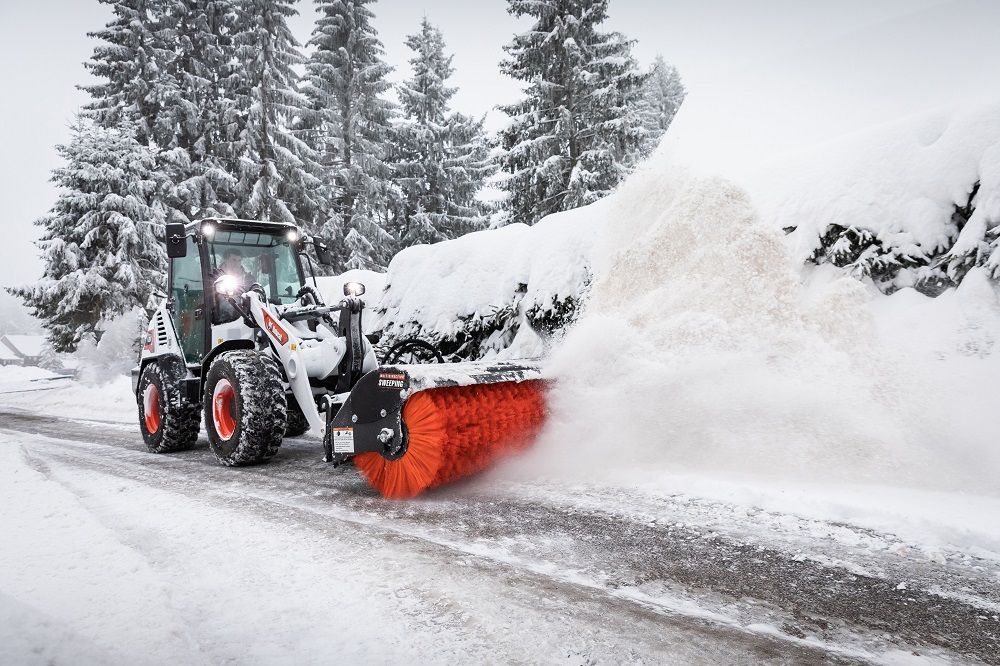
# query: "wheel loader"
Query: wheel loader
242,341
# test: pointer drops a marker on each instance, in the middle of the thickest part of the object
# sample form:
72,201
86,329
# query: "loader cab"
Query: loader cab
263,253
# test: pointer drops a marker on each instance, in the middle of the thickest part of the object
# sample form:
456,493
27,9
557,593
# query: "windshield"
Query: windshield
268,260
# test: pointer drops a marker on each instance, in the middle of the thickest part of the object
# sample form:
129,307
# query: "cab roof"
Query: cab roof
235,224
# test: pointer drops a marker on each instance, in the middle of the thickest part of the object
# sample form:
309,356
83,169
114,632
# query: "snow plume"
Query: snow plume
700,350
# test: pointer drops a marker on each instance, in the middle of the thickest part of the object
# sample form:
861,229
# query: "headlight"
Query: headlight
226,285
207,229
353,289
292,235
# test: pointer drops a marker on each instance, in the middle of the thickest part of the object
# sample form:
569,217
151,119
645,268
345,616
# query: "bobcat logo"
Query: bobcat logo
276,331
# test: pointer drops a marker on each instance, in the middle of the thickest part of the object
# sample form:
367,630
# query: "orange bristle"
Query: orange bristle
456,431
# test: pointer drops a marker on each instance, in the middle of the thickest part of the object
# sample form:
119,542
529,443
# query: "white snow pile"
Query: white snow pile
38,390
915,203
704,343
504,291
912,203
102,390
117,352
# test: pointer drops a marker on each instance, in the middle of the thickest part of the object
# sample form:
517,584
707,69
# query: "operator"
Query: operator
232,264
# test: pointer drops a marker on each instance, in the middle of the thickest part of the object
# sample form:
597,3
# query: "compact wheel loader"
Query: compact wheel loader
244,341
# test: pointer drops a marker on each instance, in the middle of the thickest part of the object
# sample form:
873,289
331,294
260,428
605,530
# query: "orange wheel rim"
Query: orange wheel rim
151,408
223,403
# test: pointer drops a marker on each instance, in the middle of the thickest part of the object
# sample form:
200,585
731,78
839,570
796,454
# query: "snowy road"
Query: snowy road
296,562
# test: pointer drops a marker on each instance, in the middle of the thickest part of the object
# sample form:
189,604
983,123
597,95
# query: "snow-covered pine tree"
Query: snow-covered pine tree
347,78
100,246
198,122
165,65
662,96
129,62
278,176
570,141
442,158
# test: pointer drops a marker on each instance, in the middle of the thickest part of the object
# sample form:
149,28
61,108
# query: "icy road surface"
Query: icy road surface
114,555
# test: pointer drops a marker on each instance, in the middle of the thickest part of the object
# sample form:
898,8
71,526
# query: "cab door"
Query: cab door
187,288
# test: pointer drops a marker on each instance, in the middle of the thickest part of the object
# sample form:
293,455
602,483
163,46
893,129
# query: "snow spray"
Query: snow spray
700,350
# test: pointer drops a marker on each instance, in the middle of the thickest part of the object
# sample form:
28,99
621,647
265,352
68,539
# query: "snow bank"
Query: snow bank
911,203
37,390
14,377
498,292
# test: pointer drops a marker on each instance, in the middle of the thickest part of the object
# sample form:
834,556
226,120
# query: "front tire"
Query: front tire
245,409
167,423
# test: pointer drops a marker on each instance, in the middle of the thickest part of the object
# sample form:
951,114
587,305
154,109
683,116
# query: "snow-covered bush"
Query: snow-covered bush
915,203
503,292
50,359
117,352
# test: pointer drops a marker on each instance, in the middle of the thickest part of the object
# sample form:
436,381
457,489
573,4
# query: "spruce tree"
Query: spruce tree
441,158
101,242
571,141
167,67
662,96
128,60
352,130
277,173
197,125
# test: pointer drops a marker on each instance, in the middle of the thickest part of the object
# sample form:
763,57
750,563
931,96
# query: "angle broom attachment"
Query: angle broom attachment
456,431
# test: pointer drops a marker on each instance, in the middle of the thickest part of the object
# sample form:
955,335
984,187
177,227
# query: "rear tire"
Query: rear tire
245,409
167,423
297,423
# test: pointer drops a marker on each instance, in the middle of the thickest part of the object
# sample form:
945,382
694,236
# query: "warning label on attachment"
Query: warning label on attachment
343,440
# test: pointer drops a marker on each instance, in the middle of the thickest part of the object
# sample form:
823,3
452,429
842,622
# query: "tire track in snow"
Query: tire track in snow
642,625
504,530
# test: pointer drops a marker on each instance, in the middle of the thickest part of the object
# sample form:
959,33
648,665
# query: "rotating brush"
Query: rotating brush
457,431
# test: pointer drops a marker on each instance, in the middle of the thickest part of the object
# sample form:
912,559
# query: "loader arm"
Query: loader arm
288,347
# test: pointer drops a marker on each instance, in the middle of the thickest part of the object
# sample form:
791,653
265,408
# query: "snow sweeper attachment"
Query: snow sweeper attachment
414,427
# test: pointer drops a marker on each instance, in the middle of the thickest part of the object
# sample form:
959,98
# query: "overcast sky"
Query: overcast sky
763,75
